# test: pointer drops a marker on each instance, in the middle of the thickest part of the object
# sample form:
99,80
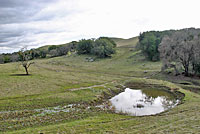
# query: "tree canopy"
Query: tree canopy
101,47
182,47
149,42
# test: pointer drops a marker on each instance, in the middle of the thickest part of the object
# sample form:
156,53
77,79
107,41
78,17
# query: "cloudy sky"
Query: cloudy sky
34,23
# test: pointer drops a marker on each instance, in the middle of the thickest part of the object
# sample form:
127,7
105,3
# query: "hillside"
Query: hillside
125,42
119,41
62,94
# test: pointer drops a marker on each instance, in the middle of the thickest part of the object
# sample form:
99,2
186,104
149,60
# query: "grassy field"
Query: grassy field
38,103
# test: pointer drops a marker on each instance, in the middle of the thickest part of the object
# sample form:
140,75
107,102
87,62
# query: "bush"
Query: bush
110,40
85,46
103,48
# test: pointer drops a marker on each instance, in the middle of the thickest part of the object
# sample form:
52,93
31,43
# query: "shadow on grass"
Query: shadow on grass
20,75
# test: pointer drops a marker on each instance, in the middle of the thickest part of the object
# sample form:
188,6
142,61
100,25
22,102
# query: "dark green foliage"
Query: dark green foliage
73,45
7,59
34,54
110,40
43,53
85,46
52,48
1,59
196,68
149,42
101,47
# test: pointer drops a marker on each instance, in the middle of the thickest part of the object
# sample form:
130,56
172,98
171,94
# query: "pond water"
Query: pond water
143,102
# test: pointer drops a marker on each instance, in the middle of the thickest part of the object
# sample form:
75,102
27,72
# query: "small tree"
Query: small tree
24,57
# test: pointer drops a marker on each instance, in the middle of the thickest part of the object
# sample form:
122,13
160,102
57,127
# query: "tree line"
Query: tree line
178,49
51,51
102,47
149,42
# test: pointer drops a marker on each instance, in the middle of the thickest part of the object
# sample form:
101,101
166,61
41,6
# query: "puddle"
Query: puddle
57,109
49,110
143,102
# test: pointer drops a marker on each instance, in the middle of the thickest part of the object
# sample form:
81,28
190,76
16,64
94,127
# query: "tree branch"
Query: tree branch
30,64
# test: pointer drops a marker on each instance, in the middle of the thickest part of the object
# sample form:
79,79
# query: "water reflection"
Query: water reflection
139,103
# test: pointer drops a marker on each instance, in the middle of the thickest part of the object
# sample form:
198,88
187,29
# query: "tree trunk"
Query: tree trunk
26,70
186,71
176,70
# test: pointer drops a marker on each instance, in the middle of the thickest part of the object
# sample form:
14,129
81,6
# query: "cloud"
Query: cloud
41,22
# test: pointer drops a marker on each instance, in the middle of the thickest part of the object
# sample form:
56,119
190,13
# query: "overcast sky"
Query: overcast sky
34,23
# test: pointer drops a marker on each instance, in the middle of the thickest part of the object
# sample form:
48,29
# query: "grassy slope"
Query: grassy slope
50,83
182,119
125,42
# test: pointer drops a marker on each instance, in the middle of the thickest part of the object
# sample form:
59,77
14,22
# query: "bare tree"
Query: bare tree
14,57
53,53
180,47
24,56
196,56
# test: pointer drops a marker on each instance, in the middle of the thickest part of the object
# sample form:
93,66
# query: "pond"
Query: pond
143,102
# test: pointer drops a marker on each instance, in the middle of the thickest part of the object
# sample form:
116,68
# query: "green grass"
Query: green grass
70,79
131,42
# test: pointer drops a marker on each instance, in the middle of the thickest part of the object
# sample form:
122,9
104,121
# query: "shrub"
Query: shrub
103,48
85,46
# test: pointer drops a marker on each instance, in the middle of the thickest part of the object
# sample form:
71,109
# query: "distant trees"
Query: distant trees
61,50
1,59
24,57
176,48
6,58
43,53
52,47
101,47
109,39
14,57
182,47
85,46
149,42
